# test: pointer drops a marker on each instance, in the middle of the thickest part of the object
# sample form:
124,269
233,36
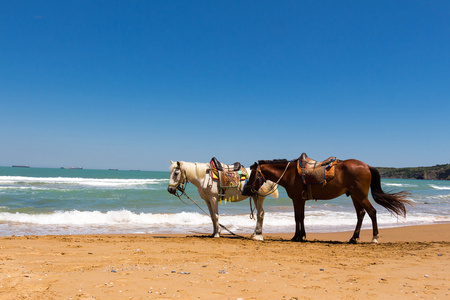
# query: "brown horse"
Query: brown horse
352,177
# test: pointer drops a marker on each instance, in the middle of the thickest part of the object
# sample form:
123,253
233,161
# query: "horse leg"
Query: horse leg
299,212
373,216
257,235
302,221
360,215
213,208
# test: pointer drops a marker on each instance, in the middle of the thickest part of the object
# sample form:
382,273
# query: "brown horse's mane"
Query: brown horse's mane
275,161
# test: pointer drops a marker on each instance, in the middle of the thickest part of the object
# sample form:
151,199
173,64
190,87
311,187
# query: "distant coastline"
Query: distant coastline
437,172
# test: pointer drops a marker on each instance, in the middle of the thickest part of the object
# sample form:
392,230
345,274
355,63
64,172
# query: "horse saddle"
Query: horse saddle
228,175
316,172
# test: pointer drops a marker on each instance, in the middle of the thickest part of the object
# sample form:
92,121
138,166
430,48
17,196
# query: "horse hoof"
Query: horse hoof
297,239
257,237
215,235
374,239
354,240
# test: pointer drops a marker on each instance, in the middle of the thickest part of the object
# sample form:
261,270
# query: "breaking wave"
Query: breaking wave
125,221
21,181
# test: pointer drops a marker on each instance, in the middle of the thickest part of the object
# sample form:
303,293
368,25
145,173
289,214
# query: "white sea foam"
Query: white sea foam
75,217
439,187
439,199
399,184
31,187
92,182
392,184
124,221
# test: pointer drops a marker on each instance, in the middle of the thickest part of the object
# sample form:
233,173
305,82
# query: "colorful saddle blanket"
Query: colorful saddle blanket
227,175
315,172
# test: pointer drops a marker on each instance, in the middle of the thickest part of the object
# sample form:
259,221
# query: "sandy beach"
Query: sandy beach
411,262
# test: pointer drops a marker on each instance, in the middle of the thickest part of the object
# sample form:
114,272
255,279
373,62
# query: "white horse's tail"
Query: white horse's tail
267,189
275,193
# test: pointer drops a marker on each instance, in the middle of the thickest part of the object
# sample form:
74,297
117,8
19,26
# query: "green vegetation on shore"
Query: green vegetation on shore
438,172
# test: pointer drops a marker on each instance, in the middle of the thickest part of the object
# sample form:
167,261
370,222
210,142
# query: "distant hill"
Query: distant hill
438,172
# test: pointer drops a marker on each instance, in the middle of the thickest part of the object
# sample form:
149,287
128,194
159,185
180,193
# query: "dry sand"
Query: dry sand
410,262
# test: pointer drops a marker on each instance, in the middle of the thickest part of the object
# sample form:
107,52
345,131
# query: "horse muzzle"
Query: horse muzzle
172,190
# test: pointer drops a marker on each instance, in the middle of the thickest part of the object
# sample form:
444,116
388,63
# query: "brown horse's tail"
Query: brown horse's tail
393,202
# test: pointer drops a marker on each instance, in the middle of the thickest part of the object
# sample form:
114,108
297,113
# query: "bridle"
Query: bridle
262,179
181,185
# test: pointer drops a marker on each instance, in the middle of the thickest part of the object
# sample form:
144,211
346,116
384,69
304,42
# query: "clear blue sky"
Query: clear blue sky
133,84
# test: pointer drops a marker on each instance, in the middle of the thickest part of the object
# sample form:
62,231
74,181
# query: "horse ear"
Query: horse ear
178,164
171,162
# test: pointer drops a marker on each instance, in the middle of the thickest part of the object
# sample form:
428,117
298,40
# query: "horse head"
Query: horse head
177,177
255,181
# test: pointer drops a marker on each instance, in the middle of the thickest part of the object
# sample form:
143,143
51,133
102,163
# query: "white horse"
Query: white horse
199,175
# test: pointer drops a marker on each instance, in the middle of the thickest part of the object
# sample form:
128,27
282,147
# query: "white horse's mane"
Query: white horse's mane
193,170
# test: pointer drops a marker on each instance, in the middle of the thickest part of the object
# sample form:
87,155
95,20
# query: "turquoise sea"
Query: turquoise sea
41,201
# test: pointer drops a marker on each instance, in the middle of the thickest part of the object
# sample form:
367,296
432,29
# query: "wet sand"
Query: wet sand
411,262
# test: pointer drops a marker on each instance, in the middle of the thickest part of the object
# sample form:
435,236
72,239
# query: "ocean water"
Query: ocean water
40,201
